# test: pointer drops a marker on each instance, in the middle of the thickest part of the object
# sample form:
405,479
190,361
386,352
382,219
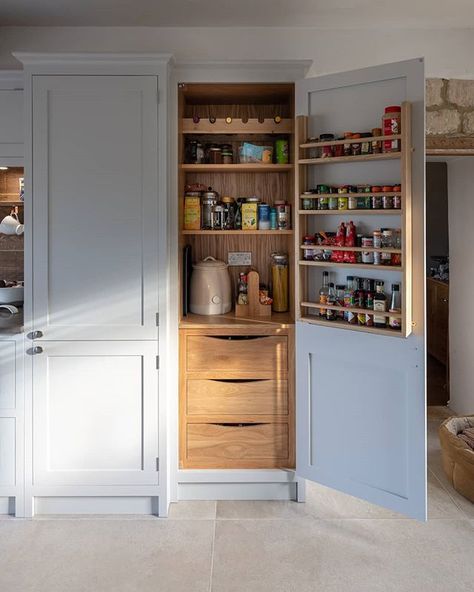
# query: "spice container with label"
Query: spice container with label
395,307
387,200
397,199
333,202
308,254
376,198
263,216
314,152
192,210
380,306
356,148
307,203
347,147
327,151
227,154
250,213
352,202
366,145
367,256
391,122
376,144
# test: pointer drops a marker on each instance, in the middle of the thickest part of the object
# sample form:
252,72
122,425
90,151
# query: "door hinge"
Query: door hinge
157,319
157,362
157,464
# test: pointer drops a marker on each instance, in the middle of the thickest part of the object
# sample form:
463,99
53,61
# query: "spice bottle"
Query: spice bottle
380,306
331,313
349,301
395,307
324,293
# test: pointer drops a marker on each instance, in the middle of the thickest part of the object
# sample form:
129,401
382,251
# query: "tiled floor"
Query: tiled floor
332,543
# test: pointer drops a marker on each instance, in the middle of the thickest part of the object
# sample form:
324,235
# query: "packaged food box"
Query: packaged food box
257,154
249,216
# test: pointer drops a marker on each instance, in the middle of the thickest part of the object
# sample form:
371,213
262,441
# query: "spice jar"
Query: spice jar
279,265
323,202
397,199
218,216
314,152
215,154
282,210
227,154
352,202
348,146
356,148
327,151
367,256
366,145
339,149
376,144
308,254
391,123
377,237
229,212
376,198
387,200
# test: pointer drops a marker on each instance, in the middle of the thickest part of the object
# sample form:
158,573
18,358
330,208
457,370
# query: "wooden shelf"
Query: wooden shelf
236,168
237,126
4,203
362,157
350,194
242,232
357,249
350,141
352,265
353,309
346,212
344,325
194,321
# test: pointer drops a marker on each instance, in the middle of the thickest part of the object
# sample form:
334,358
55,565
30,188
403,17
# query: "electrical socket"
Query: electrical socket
239,259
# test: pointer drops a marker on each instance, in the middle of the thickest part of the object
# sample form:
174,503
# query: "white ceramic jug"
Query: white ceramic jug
11,225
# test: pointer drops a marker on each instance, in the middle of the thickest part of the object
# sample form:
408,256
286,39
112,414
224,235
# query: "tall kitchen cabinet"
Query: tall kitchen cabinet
95,277
342,404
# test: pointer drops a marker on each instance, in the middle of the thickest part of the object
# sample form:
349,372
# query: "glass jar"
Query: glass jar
218,216
347,147
307,203
314,152
356,148
279,267
376,144
208,200
215,155
366,145
227,154
327,151
229,213
391,122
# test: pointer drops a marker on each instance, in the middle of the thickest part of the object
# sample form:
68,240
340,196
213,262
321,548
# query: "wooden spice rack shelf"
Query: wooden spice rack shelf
353,309
236,168
359,158
350,141
353,265
239,232
4,203
237,126
391,212
357,249
351,194
344,325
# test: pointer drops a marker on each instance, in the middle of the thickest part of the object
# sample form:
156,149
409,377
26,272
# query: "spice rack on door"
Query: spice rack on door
304,304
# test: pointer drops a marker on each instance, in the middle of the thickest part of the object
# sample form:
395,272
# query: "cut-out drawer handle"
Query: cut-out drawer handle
238,425
238,380
238,337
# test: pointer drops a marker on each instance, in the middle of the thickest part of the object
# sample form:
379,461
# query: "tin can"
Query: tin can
352,203
282,215
367,256
263,216
281,151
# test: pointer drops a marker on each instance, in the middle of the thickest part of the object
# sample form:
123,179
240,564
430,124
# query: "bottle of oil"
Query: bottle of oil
380,306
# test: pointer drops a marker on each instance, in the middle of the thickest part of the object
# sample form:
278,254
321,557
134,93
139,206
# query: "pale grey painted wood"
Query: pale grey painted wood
96,413
11,123
361,398
95,207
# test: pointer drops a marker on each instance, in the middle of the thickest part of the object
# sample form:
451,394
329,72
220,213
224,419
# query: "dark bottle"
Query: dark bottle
324,293
360,300
330,313
369,302
380,306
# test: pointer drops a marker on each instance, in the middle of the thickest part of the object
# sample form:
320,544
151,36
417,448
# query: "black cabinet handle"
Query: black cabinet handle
238,337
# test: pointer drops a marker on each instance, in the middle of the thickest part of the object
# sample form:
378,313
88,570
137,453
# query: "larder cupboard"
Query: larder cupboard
129,399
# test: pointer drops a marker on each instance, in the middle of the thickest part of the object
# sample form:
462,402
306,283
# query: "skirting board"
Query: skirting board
237,491
95,505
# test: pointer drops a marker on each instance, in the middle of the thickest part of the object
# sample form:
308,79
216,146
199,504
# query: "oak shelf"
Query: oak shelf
350,141
391,212
351,265
243,232
361,158
236,168
237,126
357,249
351,309
344,325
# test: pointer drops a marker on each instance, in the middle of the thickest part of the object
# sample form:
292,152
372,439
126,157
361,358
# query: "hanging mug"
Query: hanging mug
11,225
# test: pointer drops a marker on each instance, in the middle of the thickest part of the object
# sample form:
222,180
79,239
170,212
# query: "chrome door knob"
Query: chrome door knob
33,351
35,335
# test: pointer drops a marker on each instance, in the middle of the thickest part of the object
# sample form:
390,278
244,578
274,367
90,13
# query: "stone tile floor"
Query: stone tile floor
332,543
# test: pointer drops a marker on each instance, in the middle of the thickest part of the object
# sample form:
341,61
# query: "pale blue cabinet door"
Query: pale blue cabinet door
361,397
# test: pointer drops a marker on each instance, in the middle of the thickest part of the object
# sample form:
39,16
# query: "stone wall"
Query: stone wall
450,112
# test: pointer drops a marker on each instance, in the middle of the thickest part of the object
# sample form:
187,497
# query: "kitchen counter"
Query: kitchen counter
11,325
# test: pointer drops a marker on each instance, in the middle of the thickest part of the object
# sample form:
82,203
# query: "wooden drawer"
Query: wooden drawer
237,397
256,355
237,446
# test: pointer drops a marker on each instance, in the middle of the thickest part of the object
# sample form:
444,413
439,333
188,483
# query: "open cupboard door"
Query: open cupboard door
361,400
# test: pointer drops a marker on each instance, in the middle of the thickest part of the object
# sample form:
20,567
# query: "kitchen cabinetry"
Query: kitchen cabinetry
366,383
437,317
96,240
12,121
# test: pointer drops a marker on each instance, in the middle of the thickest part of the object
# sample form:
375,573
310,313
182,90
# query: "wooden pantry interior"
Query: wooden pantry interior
237,375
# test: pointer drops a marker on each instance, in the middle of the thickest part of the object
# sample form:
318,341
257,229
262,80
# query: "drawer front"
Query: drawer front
265,355
234,445
237,397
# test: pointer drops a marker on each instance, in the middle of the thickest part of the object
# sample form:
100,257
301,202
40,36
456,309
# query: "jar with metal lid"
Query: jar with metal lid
376,198
391,122
208,200
327,151
347,148
307,203
215,154
366,145
227,154
356,147
282,209
376,144
352,202
377,236
367,256
314,152
308,254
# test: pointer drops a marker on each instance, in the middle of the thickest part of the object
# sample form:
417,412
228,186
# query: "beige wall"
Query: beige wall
448,53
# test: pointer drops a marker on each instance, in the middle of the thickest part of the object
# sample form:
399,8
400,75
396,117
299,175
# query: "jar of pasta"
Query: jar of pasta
279,265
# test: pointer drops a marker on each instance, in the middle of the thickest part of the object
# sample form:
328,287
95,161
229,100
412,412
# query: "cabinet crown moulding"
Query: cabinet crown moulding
85,58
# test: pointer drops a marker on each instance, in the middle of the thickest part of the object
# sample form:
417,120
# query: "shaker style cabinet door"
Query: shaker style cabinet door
361,393
95,207
95,414
12,122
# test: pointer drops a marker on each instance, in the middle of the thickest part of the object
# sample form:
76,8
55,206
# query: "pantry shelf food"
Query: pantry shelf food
352,309
361,157
345,212
355,265
343,325
235,168
358,249
232,232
